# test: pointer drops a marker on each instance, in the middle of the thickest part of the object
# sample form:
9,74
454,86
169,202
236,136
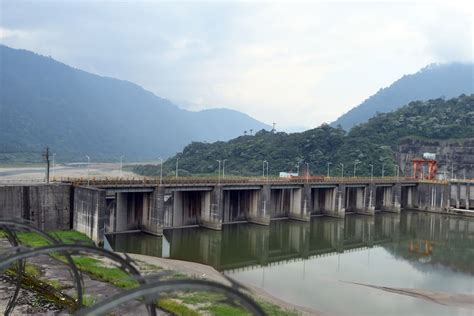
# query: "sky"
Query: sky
296,64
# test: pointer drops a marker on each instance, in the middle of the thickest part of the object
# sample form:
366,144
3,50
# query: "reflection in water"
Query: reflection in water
411,250
437,239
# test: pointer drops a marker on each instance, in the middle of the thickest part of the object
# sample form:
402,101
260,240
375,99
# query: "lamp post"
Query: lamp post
355,167
121,165
329,163
54,154
263,168
383,170
307,171
177,164
219,171
267,167
223,168
371,172
342,169
88,166
396,171
161,170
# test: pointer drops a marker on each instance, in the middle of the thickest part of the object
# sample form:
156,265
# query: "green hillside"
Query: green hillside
371,143
433,81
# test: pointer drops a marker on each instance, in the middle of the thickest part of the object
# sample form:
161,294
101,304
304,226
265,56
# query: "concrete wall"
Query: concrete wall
46,206
432,197
89,212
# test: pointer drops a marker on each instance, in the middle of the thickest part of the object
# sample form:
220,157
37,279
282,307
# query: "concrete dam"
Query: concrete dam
98,207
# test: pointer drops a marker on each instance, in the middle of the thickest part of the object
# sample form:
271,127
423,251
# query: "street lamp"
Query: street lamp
177,164
121,165
396,171
263,168
342,169
307,171
371,172
223,168
329,163
88,166
383,170
54,154
219,171
355,167
161,170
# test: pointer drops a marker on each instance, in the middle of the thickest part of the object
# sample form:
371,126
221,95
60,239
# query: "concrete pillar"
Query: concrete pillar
177,208
153,212
369,200
212,209
339,210
259,214
458,195
468,195
301,204
397,193
121,212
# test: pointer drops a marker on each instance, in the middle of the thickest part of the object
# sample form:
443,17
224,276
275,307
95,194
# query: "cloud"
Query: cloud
294,64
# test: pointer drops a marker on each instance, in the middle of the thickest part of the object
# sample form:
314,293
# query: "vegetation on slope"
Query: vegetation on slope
371,143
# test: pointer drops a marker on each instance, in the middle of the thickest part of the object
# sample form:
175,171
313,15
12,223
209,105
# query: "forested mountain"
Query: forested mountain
374,143
431,82
46,103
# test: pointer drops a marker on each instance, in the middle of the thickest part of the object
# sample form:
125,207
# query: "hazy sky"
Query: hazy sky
298,65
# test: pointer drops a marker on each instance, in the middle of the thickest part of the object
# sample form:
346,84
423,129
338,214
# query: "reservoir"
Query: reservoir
360,265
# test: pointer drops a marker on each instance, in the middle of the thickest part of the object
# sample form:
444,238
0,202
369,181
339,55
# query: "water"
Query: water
317,264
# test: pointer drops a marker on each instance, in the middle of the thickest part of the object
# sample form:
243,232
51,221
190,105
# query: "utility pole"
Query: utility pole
273,129
371,172
342,170
263,169
383,170
329,163
46,158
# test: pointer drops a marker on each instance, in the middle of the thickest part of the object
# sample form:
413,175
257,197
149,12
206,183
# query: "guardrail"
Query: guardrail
154,181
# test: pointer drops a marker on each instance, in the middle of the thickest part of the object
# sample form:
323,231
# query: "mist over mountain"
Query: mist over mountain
46,103
431,82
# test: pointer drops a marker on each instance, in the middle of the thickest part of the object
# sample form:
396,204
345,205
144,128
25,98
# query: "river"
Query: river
334,265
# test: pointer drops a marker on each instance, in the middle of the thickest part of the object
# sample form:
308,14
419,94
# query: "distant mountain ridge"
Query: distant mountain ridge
373,143
46,103
433,81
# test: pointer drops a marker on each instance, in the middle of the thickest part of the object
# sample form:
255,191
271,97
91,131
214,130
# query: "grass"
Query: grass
111,275
176,308
87,264
32,239
227,310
